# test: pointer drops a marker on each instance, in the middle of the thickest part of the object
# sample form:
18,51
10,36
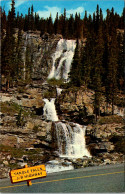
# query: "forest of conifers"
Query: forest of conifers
99,65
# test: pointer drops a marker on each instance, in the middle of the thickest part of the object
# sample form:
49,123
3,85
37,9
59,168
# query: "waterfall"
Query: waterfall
49,110
62,59
59,90
71,140
70,136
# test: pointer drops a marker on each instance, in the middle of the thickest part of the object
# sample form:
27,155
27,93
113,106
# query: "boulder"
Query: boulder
41,134
8,140
30,125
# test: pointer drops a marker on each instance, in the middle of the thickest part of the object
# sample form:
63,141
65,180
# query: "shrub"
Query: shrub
119,143
110,119
55,82
50,94
20,119
36,128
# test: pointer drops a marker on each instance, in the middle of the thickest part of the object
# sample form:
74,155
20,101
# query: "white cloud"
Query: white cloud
53,10
17,3
73,11
49,10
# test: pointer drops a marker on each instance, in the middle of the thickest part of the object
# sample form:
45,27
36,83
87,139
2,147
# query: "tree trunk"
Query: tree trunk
112,106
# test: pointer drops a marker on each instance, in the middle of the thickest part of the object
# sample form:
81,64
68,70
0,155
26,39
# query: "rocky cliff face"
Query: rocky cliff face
40,50
71,102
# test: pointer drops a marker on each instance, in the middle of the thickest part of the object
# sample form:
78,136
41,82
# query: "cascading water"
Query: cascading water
70,136
71,140
49,110
62,59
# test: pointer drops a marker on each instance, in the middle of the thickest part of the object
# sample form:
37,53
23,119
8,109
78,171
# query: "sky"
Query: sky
45,8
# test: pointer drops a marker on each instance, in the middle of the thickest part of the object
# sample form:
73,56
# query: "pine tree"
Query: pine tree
111,85
98,70
87,60
85,25
13,14
64,24
71,26
78,26
97,19
50,28
75,74
37,21
3,21
8,48
120,75
56,24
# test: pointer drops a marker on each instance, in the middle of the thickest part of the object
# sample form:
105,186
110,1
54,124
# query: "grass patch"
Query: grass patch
9,108
119,143
14,152
110,119
55,82
50,94
18,152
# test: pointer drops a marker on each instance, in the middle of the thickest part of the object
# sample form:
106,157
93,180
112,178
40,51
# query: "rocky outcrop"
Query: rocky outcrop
77,104
73,103
41,50
30,144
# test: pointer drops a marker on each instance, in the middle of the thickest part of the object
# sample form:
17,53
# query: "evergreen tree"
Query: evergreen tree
87,60
111,85
120,75
50,28
85,25
56,24
78,26
32,26
98,70
8,48
64,27
3,21
97,19
12,14
75,74
71,26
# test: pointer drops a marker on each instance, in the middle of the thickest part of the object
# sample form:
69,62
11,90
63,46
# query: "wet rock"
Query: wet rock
22,164
25,158
49,138
20,159
8,157
85,163
12,161
107,161
5,163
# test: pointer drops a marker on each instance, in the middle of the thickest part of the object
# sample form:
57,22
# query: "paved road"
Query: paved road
91,180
